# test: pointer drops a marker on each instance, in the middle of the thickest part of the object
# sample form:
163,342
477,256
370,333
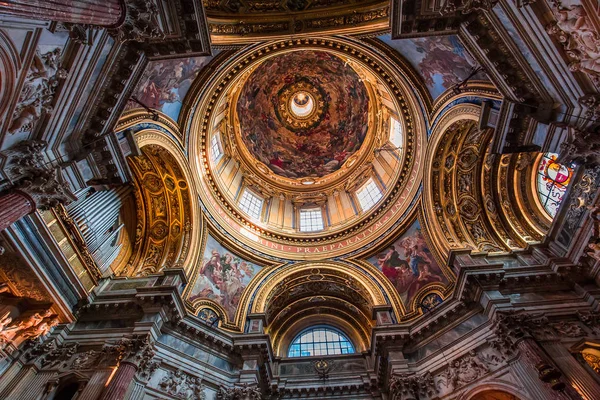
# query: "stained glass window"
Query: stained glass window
311,220
320,340
552,181
251,204
369,195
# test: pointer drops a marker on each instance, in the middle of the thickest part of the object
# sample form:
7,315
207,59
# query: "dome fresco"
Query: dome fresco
303,113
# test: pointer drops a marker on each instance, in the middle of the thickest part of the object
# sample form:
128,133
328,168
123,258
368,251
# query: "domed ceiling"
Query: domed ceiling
306,146
303,113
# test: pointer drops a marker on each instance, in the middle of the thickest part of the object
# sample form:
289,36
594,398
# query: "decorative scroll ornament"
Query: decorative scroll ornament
242,392
411,386
323,367
38,91
183,386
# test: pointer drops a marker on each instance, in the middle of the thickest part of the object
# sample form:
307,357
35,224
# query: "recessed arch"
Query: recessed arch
343,294
474,199
366,276
486,391
164,188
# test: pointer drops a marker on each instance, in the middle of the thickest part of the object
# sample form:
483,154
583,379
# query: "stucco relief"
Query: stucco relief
579,36
37,94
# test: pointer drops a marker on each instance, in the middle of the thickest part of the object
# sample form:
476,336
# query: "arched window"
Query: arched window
320,340
552,181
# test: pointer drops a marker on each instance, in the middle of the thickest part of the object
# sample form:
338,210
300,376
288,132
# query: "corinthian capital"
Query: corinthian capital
46,189
137,350
23,160
140,23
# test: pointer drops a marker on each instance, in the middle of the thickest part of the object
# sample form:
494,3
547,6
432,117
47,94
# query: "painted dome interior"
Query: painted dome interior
307,141
303,113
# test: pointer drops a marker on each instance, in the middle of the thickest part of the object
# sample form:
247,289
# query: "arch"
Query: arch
364,275
163,212
486,390
159,147
9,65
474,199
342,294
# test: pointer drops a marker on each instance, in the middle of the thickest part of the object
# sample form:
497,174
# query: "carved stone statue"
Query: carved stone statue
38,91
579,38
182,385
30,327
581,147
242,392
40,329
140,22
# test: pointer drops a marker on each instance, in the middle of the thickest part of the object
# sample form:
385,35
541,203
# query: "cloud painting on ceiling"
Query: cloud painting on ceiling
222,277
303,113
442,61
409,264
165,83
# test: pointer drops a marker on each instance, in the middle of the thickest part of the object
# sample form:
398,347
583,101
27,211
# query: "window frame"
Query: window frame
545,199
310,209
216,140
246,210
362,188
326,346
391,132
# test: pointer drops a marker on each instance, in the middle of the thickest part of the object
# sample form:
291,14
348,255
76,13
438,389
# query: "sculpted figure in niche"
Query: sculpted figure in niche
27,327
41,329
579,38
38,91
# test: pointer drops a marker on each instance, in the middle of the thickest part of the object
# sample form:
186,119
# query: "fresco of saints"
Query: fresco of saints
409,264
222,277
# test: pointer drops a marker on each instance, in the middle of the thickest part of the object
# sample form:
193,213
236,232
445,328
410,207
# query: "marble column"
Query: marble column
98,13
14,206
535,357
36,185
120,382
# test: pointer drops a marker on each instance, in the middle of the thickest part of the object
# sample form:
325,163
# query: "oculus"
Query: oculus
303,113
